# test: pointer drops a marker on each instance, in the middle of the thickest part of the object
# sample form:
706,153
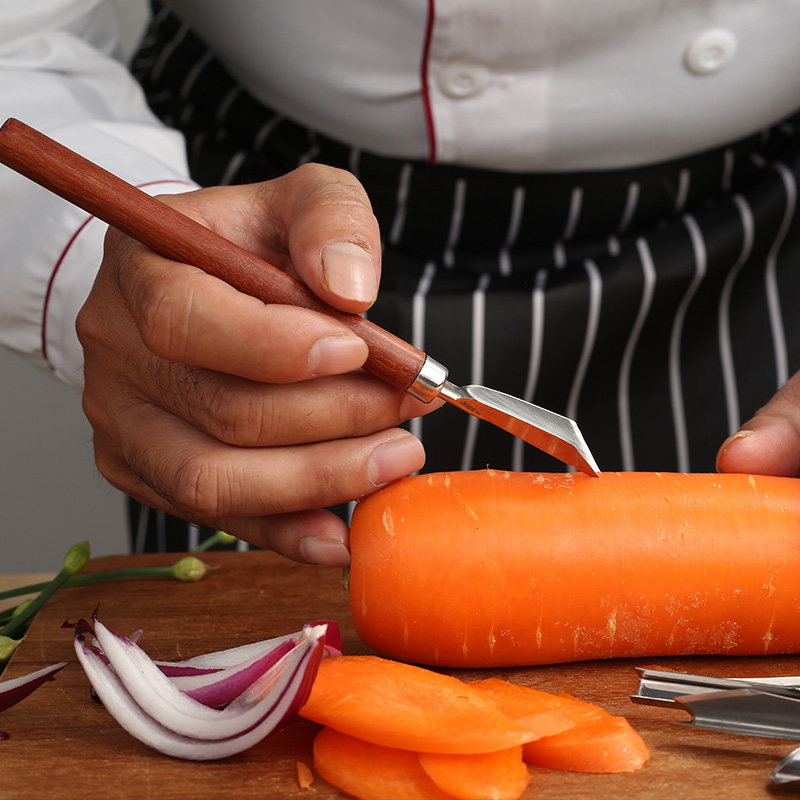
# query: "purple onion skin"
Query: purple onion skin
22,687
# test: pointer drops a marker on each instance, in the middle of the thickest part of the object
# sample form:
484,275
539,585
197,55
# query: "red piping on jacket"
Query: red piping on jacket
57,266
426,95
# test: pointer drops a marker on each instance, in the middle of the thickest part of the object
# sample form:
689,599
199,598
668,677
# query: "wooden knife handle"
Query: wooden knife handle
171,234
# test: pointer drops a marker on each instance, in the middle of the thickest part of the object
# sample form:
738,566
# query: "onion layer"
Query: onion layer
16,689
225,709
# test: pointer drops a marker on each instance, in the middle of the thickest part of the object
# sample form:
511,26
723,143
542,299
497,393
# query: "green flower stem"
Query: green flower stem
9,613
220,537
76,559
99,577
95,577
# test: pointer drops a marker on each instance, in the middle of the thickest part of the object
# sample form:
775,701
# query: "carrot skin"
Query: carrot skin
494,569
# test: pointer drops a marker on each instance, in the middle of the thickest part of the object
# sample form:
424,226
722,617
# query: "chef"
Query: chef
589,205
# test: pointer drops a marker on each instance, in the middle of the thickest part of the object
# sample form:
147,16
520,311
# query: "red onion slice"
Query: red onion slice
151,708
119,703
220,688
16,689
234,656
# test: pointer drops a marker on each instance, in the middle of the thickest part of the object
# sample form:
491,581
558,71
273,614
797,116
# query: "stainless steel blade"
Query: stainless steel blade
663,687
554,434
748,712
788,770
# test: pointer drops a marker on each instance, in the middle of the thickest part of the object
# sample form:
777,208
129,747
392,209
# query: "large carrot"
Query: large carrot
489,568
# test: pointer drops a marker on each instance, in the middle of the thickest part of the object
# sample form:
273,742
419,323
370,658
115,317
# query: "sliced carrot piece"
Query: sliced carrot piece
370,771
604,744
541,712
304,775
400,705
580,710
501,775
593,741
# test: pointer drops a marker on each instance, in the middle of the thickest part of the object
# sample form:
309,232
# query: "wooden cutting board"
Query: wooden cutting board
63,745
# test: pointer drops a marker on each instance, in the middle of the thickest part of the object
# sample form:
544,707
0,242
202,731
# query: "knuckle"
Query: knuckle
177,387
242,418
91,323
337,188
352,410
322,482
104,462
161,320
85,325
329,485
93,409
198,492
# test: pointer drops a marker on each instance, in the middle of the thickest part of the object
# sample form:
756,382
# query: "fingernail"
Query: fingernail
723,449
330,552
734,437
395,459
334,355
349,272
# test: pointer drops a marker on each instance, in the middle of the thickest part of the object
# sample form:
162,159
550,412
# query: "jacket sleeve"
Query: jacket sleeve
60,72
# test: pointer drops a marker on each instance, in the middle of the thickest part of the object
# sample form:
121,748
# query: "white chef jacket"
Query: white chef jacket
521,85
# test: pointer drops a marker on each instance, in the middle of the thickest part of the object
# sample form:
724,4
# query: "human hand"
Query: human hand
769,443
230,413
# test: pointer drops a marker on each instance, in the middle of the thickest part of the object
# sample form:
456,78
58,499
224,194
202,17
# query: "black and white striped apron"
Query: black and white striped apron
654,305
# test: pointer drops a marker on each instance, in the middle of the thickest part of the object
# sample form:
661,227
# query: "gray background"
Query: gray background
51,494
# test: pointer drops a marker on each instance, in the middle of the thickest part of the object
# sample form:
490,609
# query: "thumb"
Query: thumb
333,237
769,443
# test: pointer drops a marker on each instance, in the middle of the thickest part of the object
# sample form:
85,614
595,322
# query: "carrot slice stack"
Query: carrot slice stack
543,713
400,705
592,741
393,730
370,771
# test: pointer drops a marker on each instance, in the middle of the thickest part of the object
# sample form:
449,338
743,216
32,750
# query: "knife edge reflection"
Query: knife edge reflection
552,433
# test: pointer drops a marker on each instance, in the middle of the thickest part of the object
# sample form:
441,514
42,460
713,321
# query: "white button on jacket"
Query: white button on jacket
710,52
463,79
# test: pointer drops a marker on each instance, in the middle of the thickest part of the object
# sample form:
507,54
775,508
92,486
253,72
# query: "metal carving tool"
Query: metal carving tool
172,235
664,687
764,707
